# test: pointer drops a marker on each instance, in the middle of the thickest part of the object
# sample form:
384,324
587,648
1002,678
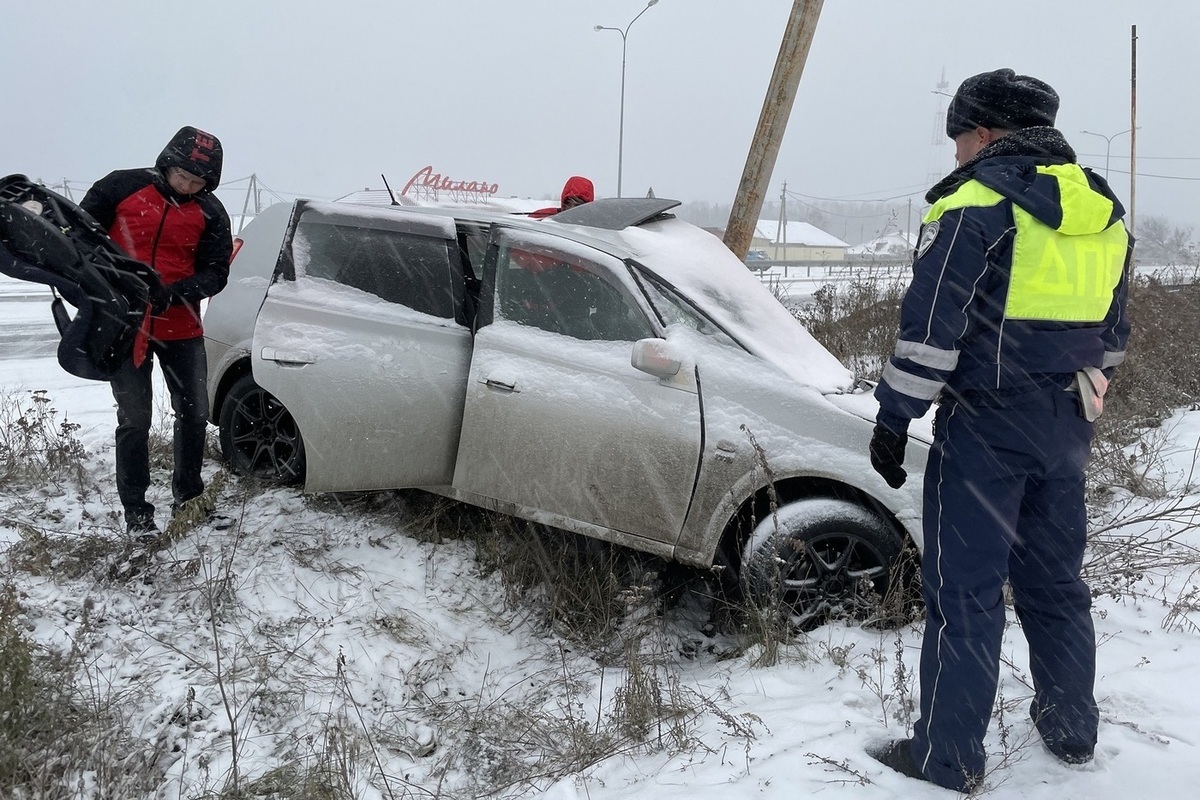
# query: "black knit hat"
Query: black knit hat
195,151
1001,99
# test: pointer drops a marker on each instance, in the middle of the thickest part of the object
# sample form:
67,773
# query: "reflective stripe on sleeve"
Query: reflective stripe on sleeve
927,355
1112,358
909,384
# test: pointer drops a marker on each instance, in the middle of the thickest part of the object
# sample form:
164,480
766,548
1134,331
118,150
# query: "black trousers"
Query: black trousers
185,370
1004,499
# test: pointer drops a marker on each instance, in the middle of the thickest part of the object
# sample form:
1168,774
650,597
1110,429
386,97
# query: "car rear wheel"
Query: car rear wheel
819,559
259,437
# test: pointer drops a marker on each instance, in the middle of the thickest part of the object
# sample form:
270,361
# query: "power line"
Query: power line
920,190
827,213
1141,157
226,185
1160,177
923,188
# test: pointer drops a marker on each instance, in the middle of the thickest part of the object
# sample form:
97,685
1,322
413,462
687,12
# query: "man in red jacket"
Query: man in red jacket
167,217
576,191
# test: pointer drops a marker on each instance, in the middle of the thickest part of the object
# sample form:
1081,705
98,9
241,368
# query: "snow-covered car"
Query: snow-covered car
611,371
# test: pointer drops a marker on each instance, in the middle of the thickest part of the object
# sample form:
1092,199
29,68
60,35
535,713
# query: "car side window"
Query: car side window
563,293
420,272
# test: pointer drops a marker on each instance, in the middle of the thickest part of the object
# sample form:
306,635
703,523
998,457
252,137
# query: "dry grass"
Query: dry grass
1161,373
857,322
58,728
36,446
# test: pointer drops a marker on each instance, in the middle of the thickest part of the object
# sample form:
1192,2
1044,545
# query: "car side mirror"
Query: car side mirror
655,357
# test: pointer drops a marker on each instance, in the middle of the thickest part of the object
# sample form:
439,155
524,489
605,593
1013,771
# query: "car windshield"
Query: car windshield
701,269
675,310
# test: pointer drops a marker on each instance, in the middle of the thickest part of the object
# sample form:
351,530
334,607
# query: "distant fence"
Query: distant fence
794,282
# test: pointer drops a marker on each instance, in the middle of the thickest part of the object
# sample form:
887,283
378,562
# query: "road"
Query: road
28,363
26,328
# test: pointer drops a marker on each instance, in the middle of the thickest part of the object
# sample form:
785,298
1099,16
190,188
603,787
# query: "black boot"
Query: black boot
896,755
141,529
1066,752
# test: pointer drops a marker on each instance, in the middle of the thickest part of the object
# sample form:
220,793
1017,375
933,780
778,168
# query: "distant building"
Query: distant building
896,244
800,242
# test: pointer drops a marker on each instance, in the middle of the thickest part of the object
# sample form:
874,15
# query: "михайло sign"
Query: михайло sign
428,185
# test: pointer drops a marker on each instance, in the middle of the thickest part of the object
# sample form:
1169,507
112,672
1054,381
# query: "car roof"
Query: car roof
597,223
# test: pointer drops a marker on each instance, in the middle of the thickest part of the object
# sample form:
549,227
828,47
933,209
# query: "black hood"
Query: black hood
195,151
1042,145
1009,166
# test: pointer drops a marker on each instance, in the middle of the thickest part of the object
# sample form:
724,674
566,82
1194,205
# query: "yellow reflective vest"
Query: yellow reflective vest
1020,276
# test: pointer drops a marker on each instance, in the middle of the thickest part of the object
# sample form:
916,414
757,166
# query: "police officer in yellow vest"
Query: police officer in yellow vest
1015,319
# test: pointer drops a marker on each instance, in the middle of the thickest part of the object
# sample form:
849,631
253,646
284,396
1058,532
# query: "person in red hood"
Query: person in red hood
576,191
168,217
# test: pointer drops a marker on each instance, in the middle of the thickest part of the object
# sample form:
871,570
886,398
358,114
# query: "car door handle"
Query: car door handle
726,451
500,386
287,358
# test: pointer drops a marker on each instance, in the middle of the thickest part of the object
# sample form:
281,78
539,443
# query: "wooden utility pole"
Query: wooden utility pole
781,230
772,122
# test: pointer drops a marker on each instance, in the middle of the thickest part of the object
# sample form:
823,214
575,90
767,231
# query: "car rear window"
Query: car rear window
417,271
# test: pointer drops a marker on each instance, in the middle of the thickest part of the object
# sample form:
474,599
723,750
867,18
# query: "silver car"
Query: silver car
610,370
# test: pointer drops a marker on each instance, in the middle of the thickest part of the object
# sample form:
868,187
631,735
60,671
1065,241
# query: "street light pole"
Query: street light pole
621,129
1107,146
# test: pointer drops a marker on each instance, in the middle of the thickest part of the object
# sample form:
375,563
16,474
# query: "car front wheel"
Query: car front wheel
819,559
259,437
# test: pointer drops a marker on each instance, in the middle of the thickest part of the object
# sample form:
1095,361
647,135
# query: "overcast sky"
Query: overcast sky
320,97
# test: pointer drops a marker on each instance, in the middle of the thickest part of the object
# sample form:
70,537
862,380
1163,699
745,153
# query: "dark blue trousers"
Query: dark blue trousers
185,371
1004,499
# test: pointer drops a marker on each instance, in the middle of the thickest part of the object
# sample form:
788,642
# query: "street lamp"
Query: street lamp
621,131
1107,146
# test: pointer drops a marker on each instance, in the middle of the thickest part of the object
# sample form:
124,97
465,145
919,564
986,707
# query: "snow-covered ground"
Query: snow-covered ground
322,631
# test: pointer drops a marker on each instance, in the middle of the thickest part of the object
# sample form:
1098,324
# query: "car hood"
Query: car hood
862,403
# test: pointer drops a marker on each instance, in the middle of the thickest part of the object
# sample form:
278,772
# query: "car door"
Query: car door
363,337
557,420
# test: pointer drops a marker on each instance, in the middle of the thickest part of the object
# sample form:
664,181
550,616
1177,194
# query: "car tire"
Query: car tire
819,559
259,437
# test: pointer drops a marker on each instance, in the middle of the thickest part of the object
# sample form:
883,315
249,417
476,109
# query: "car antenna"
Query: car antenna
391,194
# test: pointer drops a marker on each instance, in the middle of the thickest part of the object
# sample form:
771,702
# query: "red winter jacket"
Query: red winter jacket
577,187
186,239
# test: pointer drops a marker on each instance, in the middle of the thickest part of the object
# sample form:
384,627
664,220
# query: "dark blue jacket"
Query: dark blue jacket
1020,279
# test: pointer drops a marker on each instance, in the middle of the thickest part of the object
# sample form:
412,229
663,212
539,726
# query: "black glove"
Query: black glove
159,299
887,455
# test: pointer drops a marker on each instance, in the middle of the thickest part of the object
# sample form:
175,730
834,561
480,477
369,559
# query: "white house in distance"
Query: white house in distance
800,242
895,244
